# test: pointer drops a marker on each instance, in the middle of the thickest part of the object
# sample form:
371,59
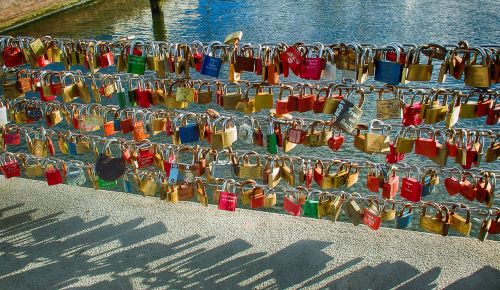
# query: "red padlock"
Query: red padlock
293,101
451,144
318,172
485,186
292,205
295,134
426,146
313,65
293,59
53,175
143,95
106,58
282,103
468,189
145,156
335,142
373,179
411,188
319,102
305,102
227,198
393,156
12,136
495,224
411,113
56,88
9,166
391,186
452,184
493,116
258,198
484,106
371,218
12,56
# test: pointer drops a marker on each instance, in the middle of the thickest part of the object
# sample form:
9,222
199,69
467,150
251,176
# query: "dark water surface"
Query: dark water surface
378,22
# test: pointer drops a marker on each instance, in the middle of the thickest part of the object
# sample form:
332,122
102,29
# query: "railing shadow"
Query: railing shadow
52,252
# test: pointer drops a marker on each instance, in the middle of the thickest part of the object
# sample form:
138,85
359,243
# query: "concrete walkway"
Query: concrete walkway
62,237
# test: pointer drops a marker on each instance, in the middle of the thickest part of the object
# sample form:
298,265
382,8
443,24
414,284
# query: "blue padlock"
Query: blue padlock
174,173
428,188
188,132
211,64
387,71
72,147
127,186
404,218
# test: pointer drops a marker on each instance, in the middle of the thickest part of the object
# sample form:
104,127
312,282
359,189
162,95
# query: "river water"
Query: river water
377,22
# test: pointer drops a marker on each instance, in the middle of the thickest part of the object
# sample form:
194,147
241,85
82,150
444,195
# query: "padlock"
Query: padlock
282,103
12,54
204,96
291,204
9,166
144,156
411,188
109,168
313,63
391,108
188,132
371,215
245,130
412,112
353,211
373,178
249,170
319,102
468,189
459,223
53,175
293,59
310,207
148,184
228,197
477,74
139,132
418,71
271,174
391,185
220,168
452,185
386,71
426,146
405,217
75,174
211,64
429,181
439,223
136,64
305,101
348,114
231,99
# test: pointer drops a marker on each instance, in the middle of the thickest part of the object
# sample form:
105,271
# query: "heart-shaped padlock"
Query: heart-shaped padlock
335,142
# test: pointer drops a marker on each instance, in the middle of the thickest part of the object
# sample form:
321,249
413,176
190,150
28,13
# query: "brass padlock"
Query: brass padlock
459,223
439,223
353,211
148,185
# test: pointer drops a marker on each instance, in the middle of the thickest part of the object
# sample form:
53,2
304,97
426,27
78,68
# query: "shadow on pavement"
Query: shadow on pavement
54,252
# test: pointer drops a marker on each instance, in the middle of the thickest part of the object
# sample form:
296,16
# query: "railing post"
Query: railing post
156,6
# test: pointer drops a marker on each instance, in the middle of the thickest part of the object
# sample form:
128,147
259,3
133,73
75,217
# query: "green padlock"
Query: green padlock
103,184
310,208
272,140
122,99
136,64
131,93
